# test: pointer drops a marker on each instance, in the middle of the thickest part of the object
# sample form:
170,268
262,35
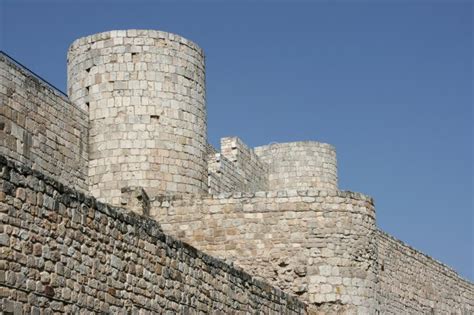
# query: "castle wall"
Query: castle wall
61,251
413,283
223,175
236,168
248,164
317,245
40,127
145,91
300,165
274,211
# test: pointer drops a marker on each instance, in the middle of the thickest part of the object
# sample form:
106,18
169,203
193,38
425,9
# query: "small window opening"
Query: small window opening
154,118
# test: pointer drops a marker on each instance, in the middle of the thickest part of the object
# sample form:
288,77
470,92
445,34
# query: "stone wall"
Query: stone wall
40,127
300,165
64,252
413,283
143,94
317,245
236,168
247,163
223,175
145,91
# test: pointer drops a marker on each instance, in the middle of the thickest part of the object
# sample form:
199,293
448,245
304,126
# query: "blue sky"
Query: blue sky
389,83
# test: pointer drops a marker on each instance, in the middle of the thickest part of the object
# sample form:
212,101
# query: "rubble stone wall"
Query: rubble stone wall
413,283
317,245
145,91
64,252
40,127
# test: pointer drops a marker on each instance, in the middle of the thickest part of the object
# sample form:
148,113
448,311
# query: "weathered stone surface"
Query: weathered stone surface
136,199
274,211
429,287
145,93
295,242
300,165
117,263
235,168
40,127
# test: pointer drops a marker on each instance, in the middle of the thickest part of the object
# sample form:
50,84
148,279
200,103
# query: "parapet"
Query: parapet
300,165
236,168
145,92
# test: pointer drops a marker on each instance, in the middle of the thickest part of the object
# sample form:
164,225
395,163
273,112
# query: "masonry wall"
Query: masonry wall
145,91
223,175
413,283
317,245
63,252
236,168
247,164
40,127
300,165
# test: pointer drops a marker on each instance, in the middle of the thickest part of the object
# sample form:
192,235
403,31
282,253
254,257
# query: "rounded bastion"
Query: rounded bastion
300,165
145,92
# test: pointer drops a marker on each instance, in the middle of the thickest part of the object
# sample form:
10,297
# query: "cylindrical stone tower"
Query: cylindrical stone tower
300,165
145,91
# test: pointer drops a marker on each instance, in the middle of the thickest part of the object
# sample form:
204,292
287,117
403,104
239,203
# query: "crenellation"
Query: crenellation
97,188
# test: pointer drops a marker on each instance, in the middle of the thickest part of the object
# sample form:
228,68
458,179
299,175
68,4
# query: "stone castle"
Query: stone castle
113,201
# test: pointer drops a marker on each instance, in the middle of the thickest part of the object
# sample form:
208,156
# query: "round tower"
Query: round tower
300,165
145,91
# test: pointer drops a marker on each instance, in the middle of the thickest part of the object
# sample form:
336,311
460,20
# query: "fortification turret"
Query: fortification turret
300,165
145,91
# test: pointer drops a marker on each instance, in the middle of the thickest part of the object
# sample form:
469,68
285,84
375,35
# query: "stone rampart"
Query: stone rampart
223,175
300,165
317,245
134,134
413,283
64,252
40,127
236,168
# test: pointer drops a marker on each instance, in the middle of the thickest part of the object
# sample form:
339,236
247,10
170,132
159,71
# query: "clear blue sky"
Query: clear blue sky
390,85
